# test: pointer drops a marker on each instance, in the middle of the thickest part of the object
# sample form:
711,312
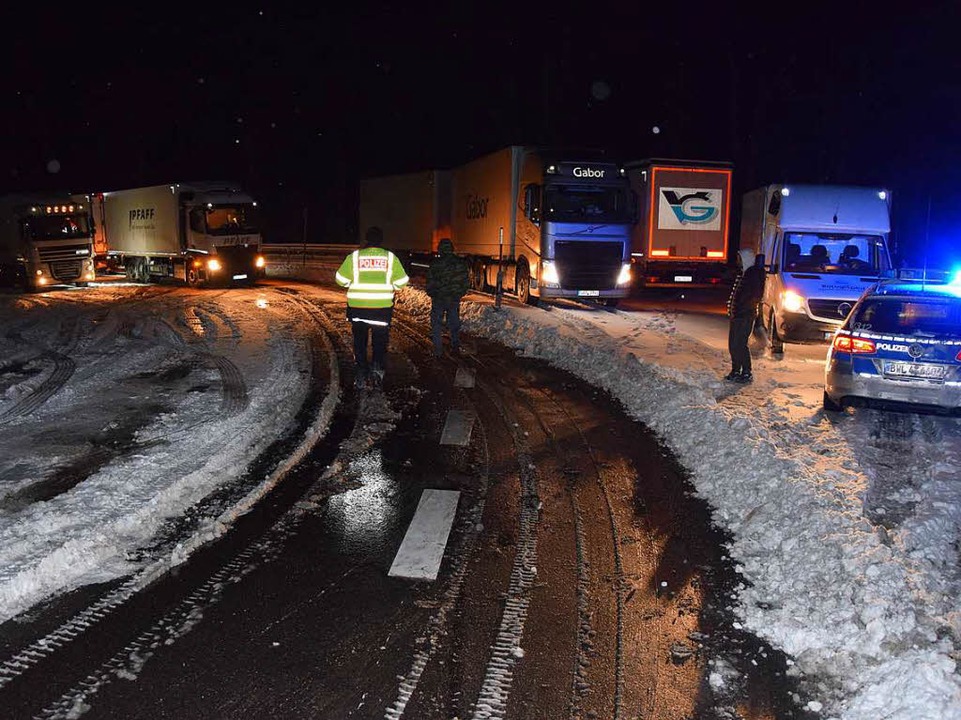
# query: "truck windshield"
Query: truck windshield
835,254
232,220
931,318
586,203
58,227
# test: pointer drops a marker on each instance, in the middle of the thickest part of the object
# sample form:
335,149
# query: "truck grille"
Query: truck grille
831,309
588,265
63,252
66,269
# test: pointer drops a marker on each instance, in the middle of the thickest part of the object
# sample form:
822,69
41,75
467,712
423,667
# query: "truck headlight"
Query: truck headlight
793,302
625,277
549,273
213,265
260,262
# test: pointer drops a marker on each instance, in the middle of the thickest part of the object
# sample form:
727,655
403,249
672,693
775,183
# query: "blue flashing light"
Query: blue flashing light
955,277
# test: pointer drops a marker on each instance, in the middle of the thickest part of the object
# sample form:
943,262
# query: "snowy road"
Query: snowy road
844,528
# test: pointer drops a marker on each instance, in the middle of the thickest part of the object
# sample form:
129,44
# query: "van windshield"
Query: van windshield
835,254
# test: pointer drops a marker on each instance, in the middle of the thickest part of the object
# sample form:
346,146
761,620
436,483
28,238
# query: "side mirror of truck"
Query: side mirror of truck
532,203
635,204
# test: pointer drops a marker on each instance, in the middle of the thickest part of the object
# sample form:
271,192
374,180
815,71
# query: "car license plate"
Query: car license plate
925,371
240,277
588,293
683,278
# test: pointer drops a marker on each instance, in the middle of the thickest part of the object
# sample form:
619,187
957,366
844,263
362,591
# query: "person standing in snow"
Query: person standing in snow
742,311
448,280
371,275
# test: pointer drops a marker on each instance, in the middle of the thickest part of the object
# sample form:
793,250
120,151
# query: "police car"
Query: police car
900,345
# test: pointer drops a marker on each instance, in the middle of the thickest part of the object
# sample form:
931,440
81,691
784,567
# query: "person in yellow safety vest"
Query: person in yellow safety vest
371,275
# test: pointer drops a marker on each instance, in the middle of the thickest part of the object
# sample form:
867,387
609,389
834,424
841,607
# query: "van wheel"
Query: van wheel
829,405
612,302
777,343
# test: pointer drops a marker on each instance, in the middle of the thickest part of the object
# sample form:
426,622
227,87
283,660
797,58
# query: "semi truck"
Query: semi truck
45,239
540,223
197,233
552,224
681,238
823,246
413,210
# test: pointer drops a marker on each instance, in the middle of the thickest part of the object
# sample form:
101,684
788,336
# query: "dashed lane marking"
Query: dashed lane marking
422,549
457,428
464,377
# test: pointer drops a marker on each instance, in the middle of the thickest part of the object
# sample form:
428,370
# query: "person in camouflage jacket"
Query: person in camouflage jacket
448,280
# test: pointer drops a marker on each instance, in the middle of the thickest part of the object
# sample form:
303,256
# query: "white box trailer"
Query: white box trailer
45,239
681,238
413,210
557,224
823,246
202,232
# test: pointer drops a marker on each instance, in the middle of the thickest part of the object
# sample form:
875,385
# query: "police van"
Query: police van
823,246
900,345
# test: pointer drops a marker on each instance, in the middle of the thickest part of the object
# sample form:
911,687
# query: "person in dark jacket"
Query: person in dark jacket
448,280
742,311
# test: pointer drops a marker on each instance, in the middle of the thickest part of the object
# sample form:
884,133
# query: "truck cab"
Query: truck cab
576,229
823,247
45,240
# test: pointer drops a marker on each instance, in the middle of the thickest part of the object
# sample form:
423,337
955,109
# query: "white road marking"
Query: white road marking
464,377
457,428
422,549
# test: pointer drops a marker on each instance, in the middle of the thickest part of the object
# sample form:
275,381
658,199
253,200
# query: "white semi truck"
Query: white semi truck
197,233
823,245
45,239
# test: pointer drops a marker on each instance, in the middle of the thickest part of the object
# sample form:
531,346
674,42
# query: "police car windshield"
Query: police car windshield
231,220
928,317
834,254
586,204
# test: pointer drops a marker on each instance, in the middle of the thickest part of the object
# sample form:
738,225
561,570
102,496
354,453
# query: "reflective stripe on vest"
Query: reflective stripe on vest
372,292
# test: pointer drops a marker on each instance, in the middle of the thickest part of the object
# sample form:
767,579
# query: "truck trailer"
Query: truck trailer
413,210
823,246
197,233
45,239
681,238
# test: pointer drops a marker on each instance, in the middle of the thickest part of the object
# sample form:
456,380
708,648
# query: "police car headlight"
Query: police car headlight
213,265
625,277
549,273
793,302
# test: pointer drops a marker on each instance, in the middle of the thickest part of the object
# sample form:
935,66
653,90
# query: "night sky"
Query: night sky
298,104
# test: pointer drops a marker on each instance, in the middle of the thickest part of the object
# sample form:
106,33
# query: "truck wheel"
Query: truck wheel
523,286
829,405
478,279
193,278
777,343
